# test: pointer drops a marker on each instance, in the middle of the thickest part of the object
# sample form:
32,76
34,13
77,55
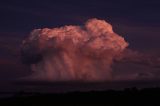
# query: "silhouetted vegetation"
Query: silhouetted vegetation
128,96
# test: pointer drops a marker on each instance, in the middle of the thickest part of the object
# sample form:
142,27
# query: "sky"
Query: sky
138,21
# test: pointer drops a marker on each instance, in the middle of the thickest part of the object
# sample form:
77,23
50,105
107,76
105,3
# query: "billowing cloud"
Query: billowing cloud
75,53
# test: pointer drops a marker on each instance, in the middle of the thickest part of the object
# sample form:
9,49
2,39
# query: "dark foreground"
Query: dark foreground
129,97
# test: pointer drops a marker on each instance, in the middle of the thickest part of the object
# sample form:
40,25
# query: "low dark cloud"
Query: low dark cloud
136,65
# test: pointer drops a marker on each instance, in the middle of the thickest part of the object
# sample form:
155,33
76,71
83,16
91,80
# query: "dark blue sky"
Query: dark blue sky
136,20
20,15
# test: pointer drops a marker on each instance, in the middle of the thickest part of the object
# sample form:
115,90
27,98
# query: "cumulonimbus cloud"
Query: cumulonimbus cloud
77,53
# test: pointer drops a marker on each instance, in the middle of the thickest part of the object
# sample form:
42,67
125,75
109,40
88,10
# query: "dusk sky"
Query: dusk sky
138,21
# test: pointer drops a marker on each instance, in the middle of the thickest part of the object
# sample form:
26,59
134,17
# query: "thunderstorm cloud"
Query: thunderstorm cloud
76,53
